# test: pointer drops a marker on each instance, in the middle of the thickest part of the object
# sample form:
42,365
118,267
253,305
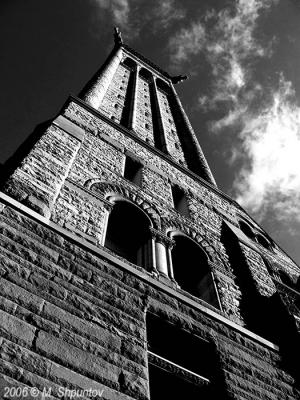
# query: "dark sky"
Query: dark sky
242,96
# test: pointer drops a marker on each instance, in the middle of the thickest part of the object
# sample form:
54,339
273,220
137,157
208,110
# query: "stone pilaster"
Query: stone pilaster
188,136
97,87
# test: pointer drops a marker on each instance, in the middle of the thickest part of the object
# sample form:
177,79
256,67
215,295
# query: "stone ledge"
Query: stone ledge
111,141
69,127
141,275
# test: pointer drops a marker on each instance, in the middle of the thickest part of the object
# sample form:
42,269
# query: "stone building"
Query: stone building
125,270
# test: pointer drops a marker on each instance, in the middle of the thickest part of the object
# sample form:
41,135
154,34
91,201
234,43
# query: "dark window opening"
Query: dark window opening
246,229
128,233
133,171
263,241
191,270
185,370
179,200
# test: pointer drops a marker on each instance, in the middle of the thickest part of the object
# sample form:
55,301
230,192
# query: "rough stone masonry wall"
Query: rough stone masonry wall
114,100
170,130
207,209
74,318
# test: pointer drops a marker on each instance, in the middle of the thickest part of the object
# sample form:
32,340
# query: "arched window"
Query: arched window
191,271
128,233
263,241
246,229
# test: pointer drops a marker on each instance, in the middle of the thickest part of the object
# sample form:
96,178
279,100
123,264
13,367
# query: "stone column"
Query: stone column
159,136
201,164
161,244
108,209
98,85
170,247
133,100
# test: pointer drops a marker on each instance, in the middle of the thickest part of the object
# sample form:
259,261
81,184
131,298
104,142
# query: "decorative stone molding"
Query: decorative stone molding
109,188
172,225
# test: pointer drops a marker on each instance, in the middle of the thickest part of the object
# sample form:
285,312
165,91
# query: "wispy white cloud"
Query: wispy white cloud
226,38
131,15
188,42
271,141
118,10
166,12
268,137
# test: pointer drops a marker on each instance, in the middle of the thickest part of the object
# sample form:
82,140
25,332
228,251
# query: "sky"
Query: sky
242,96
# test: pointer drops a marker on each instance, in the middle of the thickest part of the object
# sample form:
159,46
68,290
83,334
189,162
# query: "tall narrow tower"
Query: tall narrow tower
125,270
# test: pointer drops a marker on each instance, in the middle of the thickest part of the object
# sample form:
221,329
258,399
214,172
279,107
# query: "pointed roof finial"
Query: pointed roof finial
118,36
178,78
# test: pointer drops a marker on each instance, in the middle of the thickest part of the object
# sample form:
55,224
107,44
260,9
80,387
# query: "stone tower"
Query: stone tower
125,272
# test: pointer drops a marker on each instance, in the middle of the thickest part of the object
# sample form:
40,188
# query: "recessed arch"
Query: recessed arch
246,229
263,241
171,225
109,189
116,198
191,268
128,232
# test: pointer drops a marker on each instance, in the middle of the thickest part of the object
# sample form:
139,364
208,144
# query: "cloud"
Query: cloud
165,13
119,10
271,141
226,39
188,42
132,15
265,121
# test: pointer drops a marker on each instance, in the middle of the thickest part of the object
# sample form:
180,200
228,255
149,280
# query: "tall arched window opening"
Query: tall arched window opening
191,270
128,233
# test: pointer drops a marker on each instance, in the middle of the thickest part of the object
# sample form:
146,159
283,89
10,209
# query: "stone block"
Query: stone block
16,329
78,360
